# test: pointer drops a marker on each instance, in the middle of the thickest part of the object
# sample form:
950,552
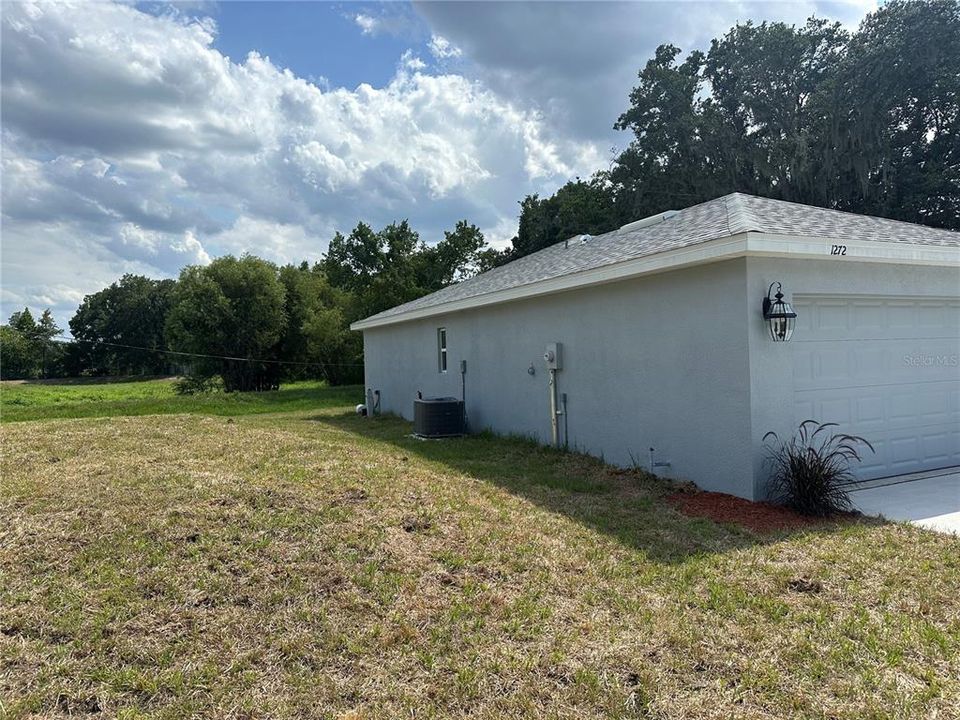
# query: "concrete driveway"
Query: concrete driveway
931,500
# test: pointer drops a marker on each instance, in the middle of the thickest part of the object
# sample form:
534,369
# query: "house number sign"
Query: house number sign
838,249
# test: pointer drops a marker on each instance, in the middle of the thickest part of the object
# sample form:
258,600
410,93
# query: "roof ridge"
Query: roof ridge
740,218
835,211
726,210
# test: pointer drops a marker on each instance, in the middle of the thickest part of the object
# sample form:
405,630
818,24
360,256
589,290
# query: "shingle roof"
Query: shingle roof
719,218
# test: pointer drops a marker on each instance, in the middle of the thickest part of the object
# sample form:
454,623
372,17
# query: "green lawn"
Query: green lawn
37,400
312,563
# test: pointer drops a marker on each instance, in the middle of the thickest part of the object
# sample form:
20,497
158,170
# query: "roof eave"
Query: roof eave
682,257
725,248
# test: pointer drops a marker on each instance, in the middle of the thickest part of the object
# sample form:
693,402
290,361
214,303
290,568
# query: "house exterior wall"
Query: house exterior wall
660,361
679,361
771,373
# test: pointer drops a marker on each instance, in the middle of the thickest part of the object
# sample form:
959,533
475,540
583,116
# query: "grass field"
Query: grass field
310,563
38,400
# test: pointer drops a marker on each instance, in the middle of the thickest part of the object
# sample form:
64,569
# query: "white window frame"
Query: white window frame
442,349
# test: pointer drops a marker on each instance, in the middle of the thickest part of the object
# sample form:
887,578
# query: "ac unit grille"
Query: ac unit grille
438,417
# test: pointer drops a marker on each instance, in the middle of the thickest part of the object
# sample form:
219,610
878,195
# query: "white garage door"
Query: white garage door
886,369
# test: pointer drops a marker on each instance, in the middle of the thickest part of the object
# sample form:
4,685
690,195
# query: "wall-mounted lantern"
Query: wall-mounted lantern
779,315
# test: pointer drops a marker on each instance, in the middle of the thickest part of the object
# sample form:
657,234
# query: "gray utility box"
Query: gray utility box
438,417
552,356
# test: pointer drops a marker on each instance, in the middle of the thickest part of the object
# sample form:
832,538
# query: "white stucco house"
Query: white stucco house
662,341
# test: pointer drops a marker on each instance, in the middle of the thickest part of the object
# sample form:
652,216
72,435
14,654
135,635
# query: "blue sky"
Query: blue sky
142,138
316,40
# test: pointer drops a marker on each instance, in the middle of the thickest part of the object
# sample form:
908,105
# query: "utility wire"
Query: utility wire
212,357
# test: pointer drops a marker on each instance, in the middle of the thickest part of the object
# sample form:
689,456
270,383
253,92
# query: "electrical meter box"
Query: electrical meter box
552,356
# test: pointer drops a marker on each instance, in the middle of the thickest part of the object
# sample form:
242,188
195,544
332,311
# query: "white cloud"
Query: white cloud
49,265
131,144
409,61
577,61
285,243
367,23
443,49
134,235
499,235
393,19
191,249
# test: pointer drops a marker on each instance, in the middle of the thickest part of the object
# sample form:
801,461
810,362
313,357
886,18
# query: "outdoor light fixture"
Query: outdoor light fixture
779,315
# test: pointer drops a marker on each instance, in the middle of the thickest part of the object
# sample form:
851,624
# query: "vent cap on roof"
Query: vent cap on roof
577,240
646,222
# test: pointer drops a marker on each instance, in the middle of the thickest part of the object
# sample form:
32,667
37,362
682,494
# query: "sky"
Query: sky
140,138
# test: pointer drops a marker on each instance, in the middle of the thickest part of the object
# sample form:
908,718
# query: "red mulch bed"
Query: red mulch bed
758,517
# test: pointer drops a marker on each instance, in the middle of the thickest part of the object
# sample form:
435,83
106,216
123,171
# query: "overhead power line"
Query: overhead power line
212,357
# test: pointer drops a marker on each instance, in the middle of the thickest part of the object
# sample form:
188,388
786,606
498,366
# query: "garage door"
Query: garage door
886,369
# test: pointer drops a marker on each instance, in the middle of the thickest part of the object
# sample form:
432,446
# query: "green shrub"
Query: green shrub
198,385
811,472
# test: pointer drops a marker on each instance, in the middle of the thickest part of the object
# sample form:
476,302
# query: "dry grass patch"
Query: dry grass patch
304,565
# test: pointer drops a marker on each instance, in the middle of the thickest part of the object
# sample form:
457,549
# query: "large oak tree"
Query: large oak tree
866,122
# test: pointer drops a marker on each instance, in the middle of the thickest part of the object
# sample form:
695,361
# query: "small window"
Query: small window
442,349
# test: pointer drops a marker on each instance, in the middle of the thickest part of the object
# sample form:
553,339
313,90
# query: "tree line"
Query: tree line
27,347
245,323
865,121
